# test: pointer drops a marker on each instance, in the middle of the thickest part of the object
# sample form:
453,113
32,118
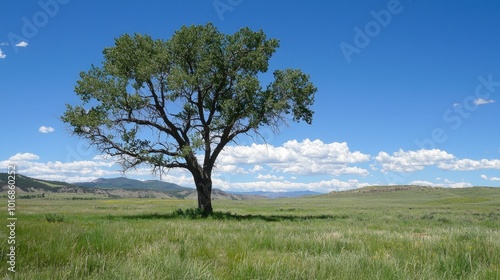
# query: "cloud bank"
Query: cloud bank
300,158
411,161
306,165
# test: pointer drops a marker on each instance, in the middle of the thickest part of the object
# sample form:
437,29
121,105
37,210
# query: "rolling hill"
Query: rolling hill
127,184
292,194
113,188
417,195
27,184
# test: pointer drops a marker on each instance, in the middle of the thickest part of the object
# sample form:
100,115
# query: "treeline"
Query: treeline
27,196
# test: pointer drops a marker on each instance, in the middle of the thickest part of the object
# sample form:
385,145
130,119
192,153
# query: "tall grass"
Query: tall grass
350,237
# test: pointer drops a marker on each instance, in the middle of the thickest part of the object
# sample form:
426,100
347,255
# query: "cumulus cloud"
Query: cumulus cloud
470,165
22,44
481,101
231,168
269,177
2,55
45,129
256,168
28,164
24,157
75,171
301,158
411,161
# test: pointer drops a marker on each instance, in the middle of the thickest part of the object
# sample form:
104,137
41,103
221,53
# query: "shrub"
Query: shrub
54,218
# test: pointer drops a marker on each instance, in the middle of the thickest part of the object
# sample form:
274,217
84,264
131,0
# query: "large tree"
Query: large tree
178,103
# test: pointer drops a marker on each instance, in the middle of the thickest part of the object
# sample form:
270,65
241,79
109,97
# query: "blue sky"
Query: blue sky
409,91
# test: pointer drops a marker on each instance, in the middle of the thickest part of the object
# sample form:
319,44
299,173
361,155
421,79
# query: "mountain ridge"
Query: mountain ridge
157,189
126,183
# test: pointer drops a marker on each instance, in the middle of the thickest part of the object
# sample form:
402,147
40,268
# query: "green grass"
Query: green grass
417,234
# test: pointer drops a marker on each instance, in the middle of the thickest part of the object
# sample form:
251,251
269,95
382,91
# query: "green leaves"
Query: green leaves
251,50
83,120
136,58
292,92
161,102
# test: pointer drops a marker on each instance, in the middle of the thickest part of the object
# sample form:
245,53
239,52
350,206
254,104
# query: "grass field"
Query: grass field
412,234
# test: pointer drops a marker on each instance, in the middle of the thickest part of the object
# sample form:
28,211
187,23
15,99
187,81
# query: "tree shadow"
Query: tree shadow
194,214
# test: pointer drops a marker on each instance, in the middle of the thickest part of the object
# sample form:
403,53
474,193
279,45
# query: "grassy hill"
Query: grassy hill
419,195
110,188
27,184
416,196
396,232
126,183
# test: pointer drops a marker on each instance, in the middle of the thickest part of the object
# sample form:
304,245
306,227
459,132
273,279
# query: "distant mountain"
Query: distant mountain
131,184
112,188
384,189
293,194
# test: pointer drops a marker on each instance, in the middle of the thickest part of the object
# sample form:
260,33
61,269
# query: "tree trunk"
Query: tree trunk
204,189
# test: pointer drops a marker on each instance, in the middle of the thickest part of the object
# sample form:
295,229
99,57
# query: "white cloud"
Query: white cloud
267,177
231,168
446,184
304,158
491,178
22,44
24,157
45,129
410,161
481,101
470,165
256,168
4,44
76,171
88,170
2,55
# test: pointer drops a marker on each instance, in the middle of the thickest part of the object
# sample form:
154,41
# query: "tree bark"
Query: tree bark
204,189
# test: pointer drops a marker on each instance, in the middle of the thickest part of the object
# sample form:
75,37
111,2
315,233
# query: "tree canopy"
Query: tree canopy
178,103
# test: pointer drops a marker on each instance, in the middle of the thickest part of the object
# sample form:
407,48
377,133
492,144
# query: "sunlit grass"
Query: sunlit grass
372,236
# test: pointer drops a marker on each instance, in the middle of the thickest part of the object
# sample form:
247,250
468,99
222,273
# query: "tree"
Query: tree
178,103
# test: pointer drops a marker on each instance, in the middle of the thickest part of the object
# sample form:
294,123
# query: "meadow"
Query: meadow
409,234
